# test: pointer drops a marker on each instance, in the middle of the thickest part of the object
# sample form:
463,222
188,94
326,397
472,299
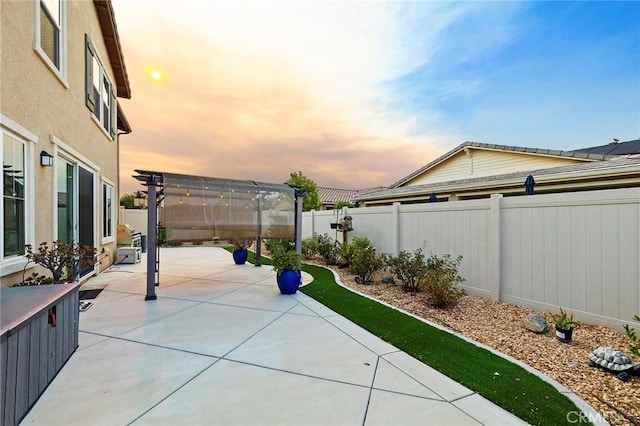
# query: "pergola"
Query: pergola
199,208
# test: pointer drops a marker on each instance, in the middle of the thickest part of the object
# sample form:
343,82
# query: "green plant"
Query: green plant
63,260
309,248
175,243
341,204
277,243
328,249
632,335
311,200
442,280
349,251
409,269
283,260
241,243
162,235
365,263
563,320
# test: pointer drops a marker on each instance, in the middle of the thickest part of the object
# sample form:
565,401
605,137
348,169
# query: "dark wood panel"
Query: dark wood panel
12,368
3,376
34,362
43,376
22,372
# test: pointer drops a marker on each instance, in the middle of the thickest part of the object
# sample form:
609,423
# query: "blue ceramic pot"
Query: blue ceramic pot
240,256
289,281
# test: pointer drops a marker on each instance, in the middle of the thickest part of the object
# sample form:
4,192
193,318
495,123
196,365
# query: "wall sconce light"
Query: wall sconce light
46,159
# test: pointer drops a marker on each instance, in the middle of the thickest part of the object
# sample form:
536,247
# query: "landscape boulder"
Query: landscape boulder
536,323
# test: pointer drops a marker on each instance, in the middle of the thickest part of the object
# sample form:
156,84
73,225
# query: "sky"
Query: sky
358,94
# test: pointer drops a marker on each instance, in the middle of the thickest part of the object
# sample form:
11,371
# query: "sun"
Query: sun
156,75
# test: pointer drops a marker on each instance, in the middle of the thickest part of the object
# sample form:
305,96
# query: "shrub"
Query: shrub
328,249
635,340
309,248
275,244
63,260
340,204
349,251
284,259
409,269
442,280
241,243
175,243
162,236
365,263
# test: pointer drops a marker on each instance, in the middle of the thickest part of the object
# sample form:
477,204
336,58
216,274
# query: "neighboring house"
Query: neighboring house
477,170
329,197
62,69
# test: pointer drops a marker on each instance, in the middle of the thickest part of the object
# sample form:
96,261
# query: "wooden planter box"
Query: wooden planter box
39,334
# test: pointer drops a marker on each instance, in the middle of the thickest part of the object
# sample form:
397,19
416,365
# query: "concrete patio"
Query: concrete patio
222,346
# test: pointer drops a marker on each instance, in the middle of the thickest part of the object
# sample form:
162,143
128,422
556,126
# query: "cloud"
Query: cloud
260,91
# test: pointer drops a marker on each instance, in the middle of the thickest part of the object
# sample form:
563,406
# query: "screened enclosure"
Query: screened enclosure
197,208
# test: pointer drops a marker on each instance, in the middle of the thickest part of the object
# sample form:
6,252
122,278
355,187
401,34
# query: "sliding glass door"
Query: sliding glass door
76,204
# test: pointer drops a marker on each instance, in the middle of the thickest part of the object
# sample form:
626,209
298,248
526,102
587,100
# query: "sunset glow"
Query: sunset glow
360,94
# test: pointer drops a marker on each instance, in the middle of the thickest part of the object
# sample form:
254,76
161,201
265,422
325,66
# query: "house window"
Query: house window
107,210
13,196
100,95
50,15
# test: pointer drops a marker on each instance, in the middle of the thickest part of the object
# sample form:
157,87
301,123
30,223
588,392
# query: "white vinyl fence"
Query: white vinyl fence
577,250
137,218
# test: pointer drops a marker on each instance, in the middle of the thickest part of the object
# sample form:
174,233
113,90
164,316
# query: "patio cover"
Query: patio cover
198,208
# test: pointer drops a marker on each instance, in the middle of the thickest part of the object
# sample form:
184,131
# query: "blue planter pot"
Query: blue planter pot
289,281
240,256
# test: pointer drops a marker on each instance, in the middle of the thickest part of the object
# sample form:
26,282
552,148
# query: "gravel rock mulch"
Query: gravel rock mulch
500,326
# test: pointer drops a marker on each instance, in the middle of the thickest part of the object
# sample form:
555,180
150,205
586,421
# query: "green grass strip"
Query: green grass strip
514,389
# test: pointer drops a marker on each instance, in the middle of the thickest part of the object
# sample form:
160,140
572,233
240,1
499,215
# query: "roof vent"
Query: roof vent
614,141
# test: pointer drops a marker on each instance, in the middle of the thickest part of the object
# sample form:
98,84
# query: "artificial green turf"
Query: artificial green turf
513,388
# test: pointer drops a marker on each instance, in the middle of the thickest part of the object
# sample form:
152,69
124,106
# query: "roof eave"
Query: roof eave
109,29
579,156
620,173
123,123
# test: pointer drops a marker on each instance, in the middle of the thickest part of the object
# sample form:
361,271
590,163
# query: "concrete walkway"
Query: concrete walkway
222,346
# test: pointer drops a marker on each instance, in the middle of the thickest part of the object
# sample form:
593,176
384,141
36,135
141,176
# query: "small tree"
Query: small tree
63,260
126,201
312,198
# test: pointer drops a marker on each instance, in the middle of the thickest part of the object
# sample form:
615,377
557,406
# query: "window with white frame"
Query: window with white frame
50,30
100,93
107,210
13,196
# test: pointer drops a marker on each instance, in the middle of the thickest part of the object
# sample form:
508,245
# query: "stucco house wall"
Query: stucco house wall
45,108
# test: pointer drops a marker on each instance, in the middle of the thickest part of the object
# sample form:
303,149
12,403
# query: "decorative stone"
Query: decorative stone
610,359
388,280
536,323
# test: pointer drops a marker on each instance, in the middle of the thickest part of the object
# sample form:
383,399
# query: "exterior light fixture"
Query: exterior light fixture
46,159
